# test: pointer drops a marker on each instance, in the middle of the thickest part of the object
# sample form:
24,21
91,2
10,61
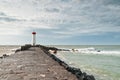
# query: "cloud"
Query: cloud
63,18
8,19
52,10
10,31
2,14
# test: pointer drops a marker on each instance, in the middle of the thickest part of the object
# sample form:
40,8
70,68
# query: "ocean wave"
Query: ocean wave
14,49
7,50
92,50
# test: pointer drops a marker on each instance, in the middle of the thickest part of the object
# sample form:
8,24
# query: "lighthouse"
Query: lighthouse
33,38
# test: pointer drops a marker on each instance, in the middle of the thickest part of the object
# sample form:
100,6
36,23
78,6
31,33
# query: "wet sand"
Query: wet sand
32,64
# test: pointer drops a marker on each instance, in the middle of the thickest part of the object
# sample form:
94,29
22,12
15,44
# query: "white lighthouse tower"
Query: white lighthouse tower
33,38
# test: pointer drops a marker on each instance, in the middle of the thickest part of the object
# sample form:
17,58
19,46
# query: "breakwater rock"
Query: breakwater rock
76,71
4,56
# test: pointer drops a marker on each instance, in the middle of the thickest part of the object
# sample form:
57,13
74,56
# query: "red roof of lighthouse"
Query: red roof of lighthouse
33,32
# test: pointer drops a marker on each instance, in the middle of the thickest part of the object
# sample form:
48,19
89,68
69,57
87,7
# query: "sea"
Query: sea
101,61
8,49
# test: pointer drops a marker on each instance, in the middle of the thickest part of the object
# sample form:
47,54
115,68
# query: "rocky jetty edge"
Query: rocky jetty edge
75,71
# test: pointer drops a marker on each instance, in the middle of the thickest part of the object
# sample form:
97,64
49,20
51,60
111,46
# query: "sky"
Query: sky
60,22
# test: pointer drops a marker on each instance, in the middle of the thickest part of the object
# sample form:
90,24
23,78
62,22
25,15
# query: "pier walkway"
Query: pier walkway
32,64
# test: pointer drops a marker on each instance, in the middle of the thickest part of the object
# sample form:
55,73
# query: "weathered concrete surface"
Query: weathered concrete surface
32,64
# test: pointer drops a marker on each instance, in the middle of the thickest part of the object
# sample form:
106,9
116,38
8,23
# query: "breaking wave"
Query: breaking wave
92,50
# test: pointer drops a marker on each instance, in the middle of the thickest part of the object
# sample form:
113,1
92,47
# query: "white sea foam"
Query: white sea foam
92,50
14,49
7,50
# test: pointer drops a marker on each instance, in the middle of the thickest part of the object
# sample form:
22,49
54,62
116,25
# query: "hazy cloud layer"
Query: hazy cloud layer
65,18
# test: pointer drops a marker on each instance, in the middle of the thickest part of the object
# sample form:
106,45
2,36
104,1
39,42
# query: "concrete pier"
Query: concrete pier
32,64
